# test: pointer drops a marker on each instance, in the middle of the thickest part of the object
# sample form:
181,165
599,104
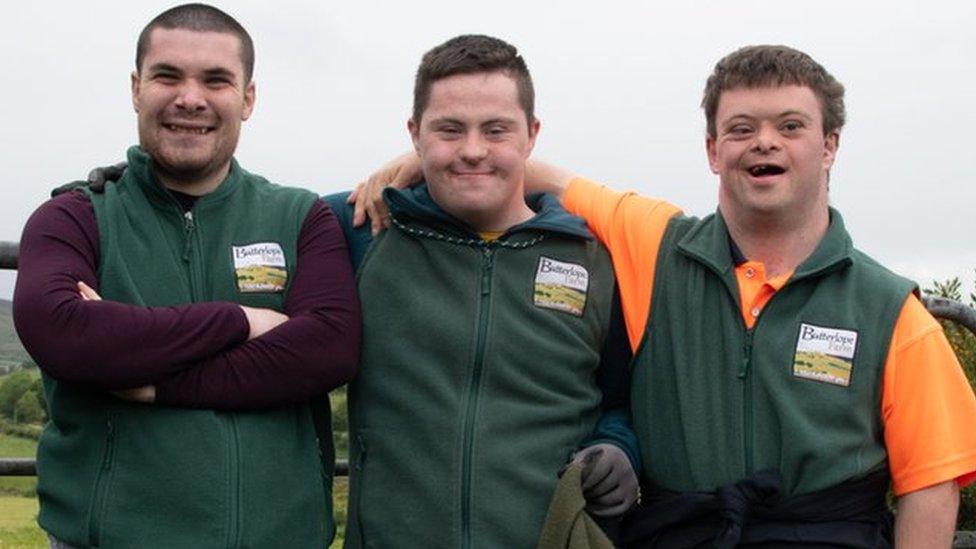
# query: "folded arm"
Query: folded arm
316,350
101,343
196,355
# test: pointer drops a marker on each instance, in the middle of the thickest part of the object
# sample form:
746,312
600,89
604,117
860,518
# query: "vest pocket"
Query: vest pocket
103,479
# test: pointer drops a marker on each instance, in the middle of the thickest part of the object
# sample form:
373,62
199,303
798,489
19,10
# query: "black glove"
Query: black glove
96,179
609,482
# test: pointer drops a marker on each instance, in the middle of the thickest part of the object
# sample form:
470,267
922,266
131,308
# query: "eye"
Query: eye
496,131
791,126
217,81
740,130
448,131
166,77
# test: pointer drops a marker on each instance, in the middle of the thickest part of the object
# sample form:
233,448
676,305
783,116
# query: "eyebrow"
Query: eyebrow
780,115
801,114
164,67
220,71
502,120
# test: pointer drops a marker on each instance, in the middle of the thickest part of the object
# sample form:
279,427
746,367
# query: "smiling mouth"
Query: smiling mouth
188,129
761,170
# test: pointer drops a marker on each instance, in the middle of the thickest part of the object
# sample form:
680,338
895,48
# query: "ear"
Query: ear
414,130
533,133
134,83
250,95
831,144
711,150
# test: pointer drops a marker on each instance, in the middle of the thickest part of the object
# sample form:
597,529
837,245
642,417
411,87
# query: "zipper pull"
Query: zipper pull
487,263
188,230
747,358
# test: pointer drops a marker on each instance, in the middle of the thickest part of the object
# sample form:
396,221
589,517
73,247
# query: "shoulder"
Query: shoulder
277,194
358,239
69,208
876,275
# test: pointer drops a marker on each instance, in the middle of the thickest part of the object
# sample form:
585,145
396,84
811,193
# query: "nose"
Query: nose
767,139
191,96
473,148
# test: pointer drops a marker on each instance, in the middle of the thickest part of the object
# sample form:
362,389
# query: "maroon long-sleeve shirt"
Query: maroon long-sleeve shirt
197,355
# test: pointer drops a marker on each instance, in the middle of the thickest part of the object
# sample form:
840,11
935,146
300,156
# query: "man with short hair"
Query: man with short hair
489,355
782,378
185,317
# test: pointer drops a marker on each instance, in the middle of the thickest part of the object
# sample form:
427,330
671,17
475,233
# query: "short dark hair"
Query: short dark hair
758,66
469,54
200,18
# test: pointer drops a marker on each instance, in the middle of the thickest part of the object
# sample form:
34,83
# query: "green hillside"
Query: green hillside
12,353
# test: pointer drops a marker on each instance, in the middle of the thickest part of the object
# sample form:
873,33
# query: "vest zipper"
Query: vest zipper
234,528
189,233
101,486
487,264
747,400
188,227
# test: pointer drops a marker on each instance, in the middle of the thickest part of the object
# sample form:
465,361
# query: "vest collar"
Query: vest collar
416,205
140,169
709,242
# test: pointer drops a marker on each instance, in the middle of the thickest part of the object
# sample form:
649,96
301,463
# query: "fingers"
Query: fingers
261,321
87,293
612,511
618,495
596,468
145,394
359,205
608,480
400,173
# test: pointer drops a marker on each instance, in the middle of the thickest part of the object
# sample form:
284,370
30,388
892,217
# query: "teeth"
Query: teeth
764,169
198,131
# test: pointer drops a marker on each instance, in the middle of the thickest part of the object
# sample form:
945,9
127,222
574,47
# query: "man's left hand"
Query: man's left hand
145,394
609,482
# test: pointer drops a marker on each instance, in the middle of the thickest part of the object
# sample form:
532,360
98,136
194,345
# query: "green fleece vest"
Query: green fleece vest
119,474
477,383
800,392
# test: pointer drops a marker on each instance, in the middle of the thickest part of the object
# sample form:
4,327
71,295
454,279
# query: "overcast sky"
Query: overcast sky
618,87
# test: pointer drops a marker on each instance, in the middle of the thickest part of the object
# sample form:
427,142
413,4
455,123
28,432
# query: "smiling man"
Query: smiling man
188,319
800,377
783,380
489,354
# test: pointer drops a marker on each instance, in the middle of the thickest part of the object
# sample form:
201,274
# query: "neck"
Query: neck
191,185
779,244
500,224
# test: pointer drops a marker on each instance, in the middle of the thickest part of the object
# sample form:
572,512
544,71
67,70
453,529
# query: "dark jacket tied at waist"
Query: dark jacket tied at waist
752,512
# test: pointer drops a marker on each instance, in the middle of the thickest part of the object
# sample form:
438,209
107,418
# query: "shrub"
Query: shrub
964,344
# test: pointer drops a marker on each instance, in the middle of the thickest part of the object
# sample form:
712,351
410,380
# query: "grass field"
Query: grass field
19,529
17,526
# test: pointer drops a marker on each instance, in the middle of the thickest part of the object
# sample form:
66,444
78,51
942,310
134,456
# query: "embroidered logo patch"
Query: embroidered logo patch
260,267
825,354
561,286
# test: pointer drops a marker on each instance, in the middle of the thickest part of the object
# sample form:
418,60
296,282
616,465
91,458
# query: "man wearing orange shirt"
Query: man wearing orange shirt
782,378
